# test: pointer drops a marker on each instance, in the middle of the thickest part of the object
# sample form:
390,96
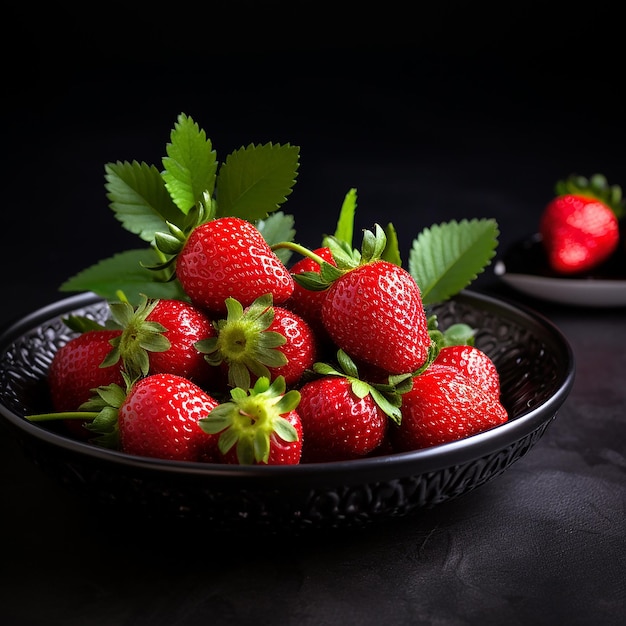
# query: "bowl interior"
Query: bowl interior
534,360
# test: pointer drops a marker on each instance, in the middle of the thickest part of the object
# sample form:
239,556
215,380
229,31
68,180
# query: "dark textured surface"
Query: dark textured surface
448,114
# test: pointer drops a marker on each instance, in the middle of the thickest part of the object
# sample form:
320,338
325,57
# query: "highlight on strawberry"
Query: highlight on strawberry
229,342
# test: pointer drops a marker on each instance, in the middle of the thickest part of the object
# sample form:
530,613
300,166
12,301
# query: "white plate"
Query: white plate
522,269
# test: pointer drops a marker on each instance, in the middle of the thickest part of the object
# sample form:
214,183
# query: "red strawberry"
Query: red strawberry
471,363
344,417
159,417
375,313
227,257
308,302
579,227
373,308
260,340
300,348
338,424
442,407
159,336
76,369
258,427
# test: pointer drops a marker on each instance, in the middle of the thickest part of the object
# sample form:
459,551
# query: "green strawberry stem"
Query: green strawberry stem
296,247
103,418
71,415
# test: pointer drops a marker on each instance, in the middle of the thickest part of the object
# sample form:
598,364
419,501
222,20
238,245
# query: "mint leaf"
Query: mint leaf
344,230
447,257
254,181
125,272
139,199
191,164
277,228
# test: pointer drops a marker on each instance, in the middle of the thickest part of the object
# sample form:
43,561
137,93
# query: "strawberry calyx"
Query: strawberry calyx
251,418
169,244
244,343
388,396
595,187
346,258
458,334
100,413
105,404
138,338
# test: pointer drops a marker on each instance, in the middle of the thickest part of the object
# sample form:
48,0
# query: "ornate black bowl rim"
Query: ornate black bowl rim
371,469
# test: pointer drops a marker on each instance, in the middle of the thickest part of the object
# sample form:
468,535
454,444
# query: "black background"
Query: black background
440,112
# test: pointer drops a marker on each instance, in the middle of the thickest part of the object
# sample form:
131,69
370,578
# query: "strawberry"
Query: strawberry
76,369
344,417
471,363
159,416
300,348
159,336
442,407
227,257
260,340
373,308
375,313
308,302
579,228
338,424
258,427
153,416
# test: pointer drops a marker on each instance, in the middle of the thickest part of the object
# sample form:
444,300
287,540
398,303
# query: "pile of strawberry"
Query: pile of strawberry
250,360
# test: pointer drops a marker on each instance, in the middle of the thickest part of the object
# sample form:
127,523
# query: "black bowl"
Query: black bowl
536,367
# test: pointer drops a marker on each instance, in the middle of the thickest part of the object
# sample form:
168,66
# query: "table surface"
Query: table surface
544,543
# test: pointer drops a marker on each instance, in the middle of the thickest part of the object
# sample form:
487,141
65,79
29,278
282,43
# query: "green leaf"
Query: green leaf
191,164
254,181
344,230
277,228
81,324
391,253
447,257
459,334
125,272
139,199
